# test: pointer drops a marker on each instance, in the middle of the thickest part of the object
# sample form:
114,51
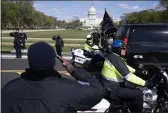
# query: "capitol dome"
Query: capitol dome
91,20
92,10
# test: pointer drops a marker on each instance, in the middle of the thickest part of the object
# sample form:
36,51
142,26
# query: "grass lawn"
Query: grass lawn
49,34
65,34
10,48
48,41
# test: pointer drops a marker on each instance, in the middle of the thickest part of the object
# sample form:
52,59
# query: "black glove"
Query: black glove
149,84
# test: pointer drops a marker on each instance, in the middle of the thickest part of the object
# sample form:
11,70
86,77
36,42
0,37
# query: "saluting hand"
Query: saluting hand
69,67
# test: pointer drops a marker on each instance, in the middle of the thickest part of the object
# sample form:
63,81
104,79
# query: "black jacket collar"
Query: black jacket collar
34,75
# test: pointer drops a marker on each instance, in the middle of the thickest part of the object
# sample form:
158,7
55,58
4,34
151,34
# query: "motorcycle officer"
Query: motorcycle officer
89,47
88,44
116,74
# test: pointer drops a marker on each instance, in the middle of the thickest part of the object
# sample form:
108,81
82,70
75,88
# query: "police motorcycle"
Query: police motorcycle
154,100
93,61
81,57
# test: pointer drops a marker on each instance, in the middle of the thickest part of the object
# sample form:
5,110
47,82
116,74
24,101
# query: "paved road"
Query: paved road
11,68
21,64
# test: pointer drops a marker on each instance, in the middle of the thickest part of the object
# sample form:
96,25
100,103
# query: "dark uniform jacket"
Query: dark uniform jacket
96,38
47,92
18,43
59,41
19,39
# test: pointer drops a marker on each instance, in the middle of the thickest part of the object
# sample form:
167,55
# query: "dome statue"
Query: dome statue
92,10
91,20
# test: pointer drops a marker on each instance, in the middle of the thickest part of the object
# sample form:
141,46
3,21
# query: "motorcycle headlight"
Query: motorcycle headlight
148,97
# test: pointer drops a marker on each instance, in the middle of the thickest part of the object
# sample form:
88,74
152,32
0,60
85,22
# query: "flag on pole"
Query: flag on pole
107,22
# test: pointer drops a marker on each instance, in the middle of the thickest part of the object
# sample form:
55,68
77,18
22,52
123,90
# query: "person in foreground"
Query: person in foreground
41,89
116,75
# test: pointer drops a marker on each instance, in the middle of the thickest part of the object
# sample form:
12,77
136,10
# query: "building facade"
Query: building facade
91,20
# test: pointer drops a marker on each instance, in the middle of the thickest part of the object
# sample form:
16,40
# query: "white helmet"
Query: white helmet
88,36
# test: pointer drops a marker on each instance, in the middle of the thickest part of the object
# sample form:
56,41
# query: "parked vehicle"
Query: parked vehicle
144,41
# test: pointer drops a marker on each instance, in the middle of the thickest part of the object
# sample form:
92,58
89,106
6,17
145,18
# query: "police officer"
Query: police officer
106,43
18,47
18,43
116,73
59,44
88,44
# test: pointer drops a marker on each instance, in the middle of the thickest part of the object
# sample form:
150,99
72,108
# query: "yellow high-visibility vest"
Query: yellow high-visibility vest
87,47
110,73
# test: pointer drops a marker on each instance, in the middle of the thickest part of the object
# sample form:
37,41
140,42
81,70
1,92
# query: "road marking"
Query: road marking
20,71
3,71
3,56
24,70
26,50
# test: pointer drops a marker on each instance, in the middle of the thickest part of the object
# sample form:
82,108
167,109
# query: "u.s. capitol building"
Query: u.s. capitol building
92,20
